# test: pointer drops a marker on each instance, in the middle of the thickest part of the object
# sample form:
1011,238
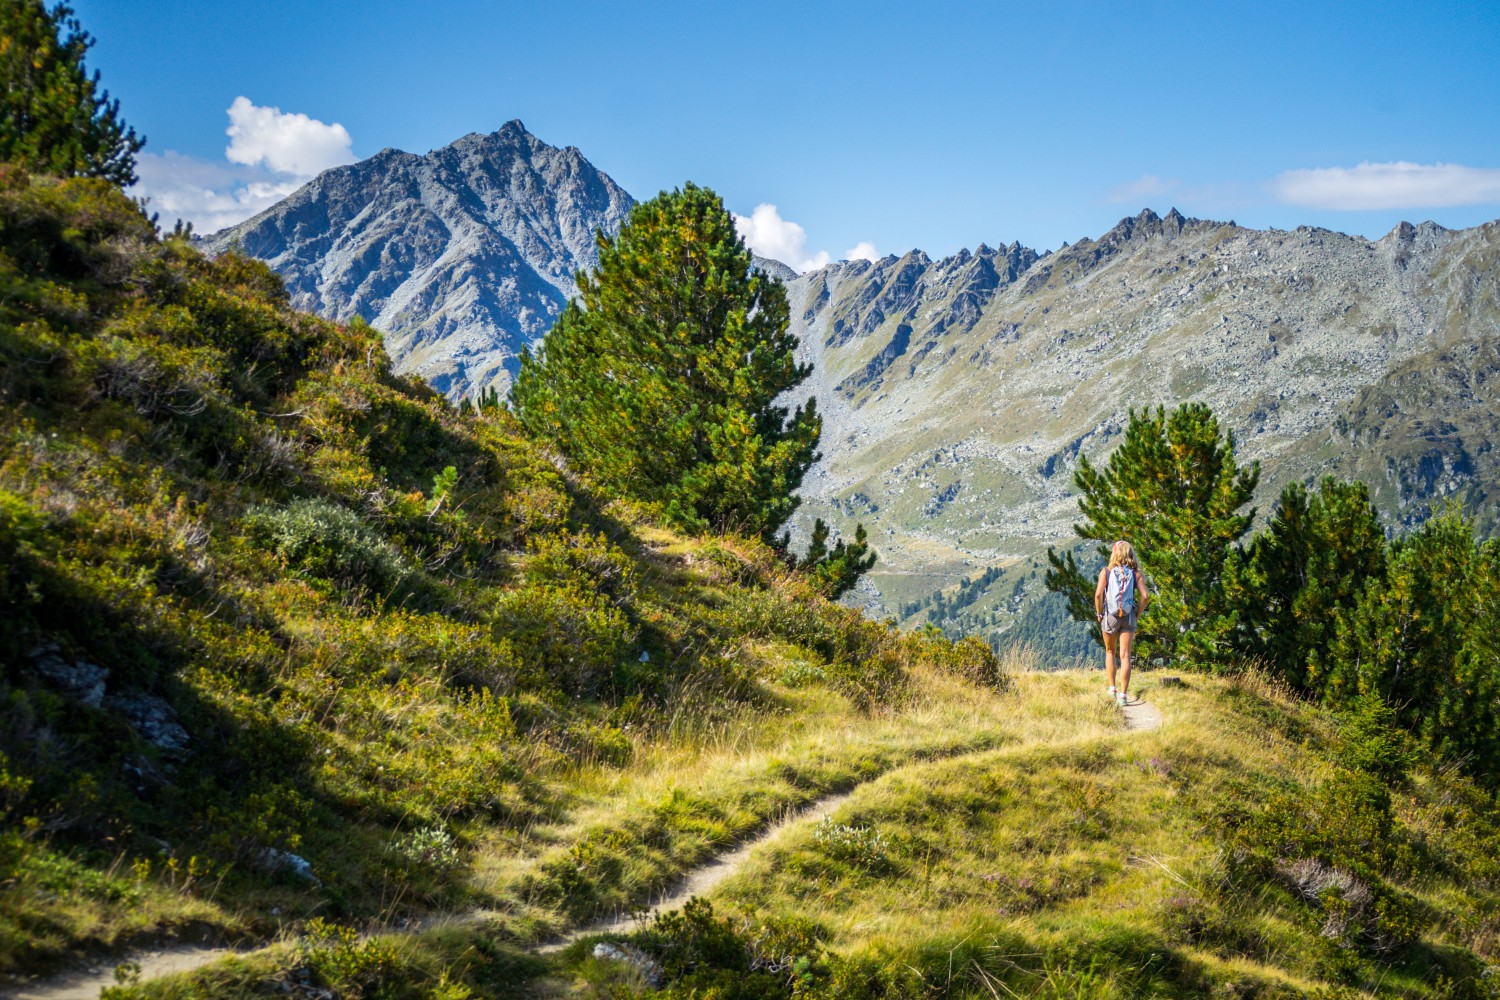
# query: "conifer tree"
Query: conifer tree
1174,491
817,545
54,117
1309,565
837,572
1422,638
660,380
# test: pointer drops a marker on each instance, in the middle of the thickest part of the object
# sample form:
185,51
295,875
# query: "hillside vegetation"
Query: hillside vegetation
285,634
296,655
294,648
1254,846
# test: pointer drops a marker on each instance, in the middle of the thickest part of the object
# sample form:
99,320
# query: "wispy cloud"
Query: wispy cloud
271,153
769,235
1388,185
1142,188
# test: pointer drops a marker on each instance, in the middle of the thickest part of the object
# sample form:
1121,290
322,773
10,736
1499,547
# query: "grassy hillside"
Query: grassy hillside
286,635
1252,846
297,655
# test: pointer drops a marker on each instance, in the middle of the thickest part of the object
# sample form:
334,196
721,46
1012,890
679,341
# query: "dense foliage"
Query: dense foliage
1173,490
54,117
660,380
1286,591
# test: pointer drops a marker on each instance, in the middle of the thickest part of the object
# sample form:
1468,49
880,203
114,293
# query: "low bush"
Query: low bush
329,542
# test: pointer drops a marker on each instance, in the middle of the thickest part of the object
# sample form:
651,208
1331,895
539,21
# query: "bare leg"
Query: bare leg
1110,642
1126,638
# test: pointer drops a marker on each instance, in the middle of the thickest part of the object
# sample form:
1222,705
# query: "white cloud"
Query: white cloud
1388,185
769,235
209,195
270,154
285,142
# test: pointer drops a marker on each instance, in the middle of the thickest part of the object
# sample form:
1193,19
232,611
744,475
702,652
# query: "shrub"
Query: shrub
431,849
858,846
324,540
567,638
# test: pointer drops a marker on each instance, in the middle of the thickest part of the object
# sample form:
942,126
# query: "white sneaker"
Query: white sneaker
1123,699
1112,691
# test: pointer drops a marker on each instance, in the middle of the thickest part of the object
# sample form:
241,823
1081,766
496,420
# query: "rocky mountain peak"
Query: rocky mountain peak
462,256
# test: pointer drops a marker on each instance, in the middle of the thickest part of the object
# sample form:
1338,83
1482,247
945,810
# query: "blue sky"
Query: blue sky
933,125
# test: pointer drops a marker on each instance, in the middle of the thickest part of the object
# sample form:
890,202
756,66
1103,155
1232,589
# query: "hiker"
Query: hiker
1117,608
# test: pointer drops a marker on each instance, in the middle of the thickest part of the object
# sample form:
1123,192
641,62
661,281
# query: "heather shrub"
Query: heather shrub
566,637
324,540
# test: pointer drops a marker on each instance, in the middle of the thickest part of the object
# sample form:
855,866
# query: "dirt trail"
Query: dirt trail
85,984
1140,716
702,880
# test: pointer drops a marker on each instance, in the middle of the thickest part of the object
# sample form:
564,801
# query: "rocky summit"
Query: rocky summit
461,257
957,394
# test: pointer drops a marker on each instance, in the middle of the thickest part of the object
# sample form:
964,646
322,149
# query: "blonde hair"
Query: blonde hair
1123,555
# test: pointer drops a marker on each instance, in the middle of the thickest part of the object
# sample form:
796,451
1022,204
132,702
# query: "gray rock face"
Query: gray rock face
958,394
153,719
77,679
461,257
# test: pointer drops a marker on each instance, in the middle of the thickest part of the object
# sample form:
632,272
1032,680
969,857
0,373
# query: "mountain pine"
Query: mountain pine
1310,564
1174,491
1422,637
660,380
54,117
837,571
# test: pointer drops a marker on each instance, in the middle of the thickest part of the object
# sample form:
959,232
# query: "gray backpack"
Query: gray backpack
1119,591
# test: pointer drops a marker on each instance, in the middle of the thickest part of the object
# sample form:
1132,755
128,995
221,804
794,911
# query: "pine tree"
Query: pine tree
1308,566
838,571
817,546
54,117
660,380
1422,638
1174,491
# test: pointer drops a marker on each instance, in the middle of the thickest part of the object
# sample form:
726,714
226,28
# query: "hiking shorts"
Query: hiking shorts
1115,624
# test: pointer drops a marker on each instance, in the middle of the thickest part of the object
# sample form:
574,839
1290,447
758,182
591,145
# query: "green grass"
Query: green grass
1060,856
396,639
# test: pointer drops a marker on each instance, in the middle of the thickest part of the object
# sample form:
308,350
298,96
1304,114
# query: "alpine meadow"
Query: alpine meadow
541,643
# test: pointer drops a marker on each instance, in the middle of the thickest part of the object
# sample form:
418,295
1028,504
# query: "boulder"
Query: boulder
153,719
77,679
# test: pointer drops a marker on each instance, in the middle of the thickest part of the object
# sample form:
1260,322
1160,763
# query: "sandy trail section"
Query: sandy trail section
1141,716
85,984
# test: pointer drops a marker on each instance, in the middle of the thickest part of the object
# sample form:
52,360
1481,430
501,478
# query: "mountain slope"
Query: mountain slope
957,394
460,257
284,634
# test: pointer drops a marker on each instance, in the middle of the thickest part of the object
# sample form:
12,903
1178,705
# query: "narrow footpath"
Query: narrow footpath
86,983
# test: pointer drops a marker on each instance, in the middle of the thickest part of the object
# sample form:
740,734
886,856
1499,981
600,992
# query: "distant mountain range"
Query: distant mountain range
957,394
